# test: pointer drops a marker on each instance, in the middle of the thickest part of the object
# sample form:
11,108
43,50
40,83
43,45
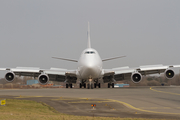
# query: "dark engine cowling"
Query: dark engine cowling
9,76
136,77
169,73
43,79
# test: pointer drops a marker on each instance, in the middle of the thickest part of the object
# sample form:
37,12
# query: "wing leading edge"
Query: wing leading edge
124,73
52,74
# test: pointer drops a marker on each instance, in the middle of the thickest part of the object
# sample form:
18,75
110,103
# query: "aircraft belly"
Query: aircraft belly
87,73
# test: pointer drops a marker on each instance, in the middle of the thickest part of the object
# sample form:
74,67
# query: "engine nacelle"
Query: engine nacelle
10,76
136,77
169,73
43,79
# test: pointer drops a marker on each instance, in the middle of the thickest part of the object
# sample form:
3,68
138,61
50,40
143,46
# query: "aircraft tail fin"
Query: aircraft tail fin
88,35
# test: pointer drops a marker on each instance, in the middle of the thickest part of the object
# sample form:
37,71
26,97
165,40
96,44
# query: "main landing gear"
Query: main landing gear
97,85
91,83
110,84
82,85
69,85
89,86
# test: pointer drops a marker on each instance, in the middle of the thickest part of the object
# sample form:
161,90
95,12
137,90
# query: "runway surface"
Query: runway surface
144,102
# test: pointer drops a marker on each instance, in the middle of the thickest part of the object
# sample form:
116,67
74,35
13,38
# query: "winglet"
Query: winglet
88,35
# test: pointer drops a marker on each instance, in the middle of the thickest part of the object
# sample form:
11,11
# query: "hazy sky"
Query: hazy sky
32,31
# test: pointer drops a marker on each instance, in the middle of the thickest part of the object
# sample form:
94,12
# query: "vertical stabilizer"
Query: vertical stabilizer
88,35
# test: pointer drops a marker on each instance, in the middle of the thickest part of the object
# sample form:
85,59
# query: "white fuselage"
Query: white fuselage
89,64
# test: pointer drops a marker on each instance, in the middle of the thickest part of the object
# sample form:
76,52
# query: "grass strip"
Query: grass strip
31,110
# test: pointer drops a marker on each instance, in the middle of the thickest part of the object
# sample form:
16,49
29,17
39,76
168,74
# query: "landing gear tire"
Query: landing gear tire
94,85
88,85
112,85
109,85
84,85
67,85
70,85
80,85
91,86
99,85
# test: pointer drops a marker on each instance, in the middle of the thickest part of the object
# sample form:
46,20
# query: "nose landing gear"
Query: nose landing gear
90,85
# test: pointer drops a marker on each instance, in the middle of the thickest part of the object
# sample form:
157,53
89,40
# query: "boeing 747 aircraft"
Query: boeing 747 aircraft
89,71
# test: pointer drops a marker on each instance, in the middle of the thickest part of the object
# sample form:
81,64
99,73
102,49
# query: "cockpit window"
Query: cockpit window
92,52
89,52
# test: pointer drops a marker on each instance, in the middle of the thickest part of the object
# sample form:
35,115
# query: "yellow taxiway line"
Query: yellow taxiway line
139,109
89,101
151,88
27,96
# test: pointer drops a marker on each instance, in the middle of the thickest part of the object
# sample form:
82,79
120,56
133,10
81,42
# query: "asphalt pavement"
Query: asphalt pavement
132,102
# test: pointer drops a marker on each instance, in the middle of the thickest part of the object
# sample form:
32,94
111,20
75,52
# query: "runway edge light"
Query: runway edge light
93,105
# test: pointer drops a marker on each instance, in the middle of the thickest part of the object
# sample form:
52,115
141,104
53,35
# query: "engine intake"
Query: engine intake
9,76
169,74
136,77
43,79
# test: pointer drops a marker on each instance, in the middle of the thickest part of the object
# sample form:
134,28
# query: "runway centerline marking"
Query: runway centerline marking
151,88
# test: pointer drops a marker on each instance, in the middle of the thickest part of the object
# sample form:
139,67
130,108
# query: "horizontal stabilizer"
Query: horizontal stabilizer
65,59
113,58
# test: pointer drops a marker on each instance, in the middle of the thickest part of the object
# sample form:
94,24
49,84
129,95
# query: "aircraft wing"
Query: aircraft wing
125,73
54,74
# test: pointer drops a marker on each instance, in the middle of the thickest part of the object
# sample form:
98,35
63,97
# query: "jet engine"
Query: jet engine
43,79
9,76
136,77
169,73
